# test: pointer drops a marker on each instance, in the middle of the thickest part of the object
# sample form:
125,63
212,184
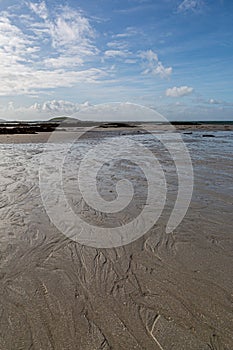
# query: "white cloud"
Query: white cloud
56,108
28,82
179,91
117,45
153,66
212,101
64,62
121,35
69,32
150,56
40,9
26,67
41,111
115,53
15,45
129,32
160,70
130,61
123,112
118,112
191,5
66,27
69,28
114,111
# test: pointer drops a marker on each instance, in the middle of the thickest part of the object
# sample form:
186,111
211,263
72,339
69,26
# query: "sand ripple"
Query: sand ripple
160,292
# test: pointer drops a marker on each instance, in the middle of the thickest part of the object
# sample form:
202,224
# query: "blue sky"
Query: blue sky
171,55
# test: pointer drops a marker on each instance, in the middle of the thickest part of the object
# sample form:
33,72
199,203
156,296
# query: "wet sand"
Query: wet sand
163,291
41,137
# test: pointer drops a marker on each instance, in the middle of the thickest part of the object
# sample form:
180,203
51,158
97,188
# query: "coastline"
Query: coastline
32,136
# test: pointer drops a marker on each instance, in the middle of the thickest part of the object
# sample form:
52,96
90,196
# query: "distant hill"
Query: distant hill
64,120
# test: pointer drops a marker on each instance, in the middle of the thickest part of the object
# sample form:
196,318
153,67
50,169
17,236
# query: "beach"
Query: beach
161,291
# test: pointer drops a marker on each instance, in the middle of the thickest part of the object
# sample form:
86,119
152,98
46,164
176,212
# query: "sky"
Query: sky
59,57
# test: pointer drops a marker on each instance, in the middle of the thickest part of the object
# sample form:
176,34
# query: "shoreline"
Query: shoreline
20,136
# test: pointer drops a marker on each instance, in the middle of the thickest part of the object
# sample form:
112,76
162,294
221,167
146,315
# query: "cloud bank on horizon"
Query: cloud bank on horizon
173,56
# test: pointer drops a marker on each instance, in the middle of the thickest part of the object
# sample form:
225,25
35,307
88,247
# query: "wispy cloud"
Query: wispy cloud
129,32
64,61
69,31
40,9
191,5
26,67
212,101
116,53
153,66
179,91
117,45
